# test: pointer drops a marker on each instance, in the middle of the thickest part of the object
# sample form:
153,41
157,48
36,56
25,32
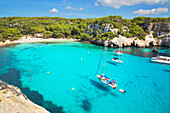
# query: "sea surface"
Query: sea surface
46,72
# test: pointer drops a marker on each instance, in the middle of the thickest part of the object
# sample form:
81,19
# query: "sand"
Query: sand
28,40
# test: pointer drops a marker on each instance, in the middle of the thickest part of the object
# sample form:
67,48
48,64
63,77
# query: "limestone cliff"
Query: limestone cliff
149,41
158,28
12,100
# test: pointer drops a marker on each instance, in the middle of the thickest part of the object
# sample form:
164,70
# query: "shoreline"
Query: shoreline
111,43
131,42
32,40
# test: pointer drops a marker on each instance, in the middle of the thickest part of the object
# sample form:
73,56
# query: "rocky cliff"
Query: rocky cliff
12,100
158,28
149,41
161,27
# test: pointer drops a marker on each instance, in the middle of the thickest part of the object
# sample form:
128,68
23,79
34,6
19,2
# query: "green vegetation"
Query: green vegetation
14,27
146,20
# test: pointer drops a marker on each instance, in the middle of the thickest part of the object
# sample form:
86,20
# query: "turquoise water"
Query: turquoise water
27,65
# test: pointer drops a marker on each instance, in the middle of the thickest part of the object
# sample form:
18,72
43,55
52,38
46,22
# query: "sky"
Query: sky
85,8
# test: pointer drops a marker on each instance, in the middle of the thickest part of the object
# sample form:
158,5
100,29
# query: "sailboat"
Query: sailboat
106,80
119,52
116,59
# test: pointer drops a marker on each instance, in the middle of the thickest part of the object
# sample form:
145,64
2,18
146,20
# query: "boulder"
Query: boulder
111,45
7,42
155,50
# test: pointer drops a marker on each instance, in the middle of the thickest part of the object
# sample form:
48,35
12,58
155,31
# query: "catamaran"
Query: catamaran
161,59
106,80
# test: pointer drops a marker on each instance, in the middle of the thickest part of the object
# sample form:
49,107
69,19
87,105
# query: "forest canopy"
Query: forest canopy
15,27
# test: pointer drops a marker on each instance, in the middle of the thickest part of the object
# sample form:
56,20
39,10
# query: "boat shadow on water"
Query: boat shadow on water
167,71
112,63
99,86
104,88
158,63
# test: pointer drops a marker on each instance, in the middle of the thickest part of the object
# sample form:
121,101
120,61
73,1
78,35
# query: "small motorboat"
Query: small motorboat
122,91
161,59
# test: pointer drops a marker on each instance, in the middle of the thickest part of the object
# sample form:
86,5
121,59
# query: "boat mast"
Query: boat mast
120,45
103,60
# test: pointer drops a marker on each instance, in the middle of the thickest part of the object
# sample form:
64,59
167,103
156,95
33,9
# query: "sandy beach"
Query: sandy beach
29,40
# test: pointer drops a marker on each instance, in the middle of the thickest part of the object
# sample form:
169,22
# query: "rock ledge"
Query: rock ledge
12,100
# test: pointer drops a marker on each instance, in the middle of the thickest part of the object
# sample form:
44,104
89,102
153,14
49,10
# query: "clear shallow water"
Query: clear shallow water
26,66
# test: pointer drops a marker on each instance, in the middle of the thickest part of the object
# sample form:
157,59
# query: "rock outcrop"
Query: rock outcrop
149,41
141,43
128,42
5,43
158,28
165,42
124,41
12,100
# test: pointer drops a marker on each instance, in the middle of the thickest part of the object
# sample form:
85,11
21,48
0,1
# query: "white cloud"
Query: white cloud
96,3
118,3
151,11
64,1
68,7
81,9
71,8
54,10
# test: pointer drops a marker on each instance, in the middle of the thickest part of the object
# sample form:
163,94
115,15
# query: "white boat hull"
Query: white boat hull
161,61
102,79
119,61
118,53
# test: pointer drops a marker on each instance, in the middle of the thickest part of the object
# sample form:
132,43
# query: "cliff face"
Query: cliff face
12,100
159,28
149,41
